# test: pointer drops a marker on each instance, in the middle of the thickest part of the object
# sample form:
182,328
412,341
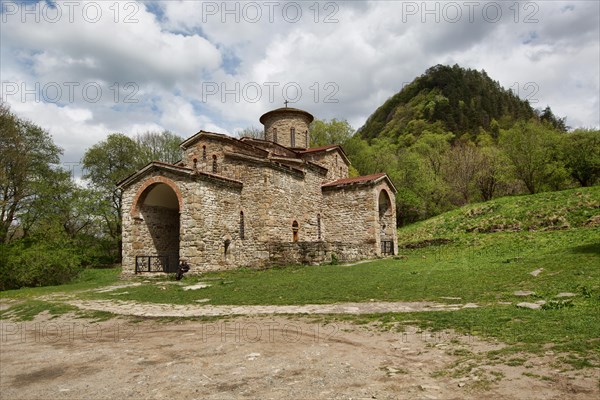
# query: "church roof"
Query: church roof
267,144
375,178
286,110
221,137
322,148
182,171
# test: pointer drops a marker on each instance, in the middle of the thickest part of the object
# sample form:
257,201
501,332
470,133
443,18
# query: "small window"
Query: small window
295,231
242,228
306,139
214,169
275,135
204,153
319,226
195,163
292,137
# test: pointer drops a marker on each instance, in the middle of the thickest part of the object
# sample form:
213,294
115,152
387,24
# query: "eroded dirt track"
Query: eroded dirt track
260,357
133,308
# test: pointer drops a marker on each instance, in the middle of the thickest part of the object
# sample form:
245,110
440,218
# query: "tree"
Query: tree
548,117
105,164
492,173
159,146
252,132
581,152
533,150
28,159
360,154
323,132
433,147
462,164
47,209
415,183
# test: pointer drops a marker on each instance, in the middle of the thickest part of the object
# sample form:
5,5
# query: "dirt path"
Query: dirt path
270,357
174,310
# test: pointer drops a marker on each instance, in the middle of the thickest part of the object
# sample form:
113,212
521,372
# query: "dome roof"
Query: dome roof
284,110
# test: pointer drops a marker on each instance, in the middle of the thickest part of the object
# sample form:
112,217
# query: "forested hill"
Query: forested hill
452,99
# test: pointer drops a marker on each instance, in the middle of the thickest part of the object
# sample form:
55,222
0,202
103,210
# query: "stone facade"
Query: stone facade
256,203
288,127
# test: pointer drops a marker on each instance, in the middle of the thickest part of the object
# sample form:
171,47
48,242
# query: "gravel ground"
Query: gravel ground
263,357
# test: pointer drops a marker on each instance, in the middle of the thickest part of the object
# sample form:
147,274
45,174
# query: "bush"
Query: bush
94,252
26,263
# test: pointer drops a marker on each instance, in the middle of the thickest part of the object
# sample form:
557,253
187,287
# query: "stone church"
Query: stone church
255,203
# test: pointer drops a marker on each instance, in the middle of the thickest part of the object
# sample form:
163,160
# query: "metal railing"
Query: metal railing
387,247
156,264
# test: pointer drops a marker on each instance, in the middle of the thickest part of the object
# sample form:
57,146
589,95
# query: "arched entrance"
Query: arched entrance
156,211
387,223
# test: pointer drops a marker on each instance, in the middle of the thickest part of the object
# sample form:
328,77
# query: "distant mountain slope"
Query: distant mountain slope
455,99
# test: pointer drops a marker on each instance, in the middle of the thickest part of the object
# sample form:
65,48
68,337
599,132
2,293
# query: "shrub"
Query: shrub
27,263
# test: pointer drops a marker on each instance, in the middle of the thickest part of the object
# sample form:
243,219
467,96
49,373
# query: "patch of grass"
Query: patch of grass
475,272
541,377
460,352
29,309
516,361
27,304
580,362
88,279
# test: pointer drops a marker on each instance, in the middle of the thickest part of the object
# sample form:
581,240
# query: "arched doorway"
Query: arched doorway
387,223
157,241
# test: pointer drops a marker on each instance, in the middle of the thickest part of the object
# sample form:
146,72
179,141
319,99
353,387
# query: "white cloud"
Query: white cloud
139,51
373,49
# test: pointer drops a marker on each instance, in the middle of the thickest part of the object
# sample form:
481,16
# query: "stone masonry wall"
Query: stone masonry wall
209,216
273,199
332,160
283,123
351,218
207,147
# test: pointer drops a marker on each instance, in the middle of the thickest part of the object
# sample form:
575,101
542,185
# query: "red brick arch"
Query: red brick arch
141,193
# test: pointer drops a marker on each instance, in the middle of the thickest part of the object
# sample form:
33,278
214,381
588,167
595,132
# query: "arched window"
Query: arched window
275,135
385,204
195,163
306,139
292,137
204,153
319,226
295,231
242,228
214,169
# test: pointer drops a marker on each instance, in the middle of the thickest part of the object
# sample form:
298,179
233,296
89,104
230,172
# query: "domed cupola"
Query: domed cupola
288,127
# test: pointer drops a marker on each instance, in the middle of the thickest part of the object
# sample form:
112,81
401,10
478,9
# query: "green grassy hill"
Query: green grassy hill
543,212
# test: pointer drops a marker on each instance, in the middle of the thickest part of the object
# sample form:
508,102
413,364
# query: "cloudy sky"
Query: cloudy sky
84,69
